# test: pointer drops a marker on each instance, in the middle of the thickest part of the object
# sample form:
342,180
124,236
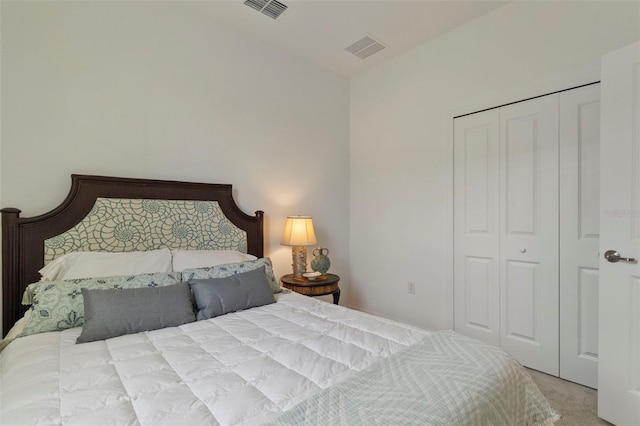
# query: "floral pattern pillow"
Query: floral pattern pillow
226,270
59,305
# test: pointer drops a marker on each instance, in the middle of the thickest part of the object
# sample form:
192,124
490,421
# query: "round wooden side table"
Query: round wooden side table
317,287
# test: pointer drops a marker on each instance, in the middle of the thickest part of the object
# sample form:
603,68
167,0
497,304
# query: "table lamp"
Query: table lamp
299,233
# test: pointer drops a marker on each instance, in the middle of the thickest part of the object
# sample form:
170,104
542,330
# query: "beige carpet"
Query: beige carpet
576,404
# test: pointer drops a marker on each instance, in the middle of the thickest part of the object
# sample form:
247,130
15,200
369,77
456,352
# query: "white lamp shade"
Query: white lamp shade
298,231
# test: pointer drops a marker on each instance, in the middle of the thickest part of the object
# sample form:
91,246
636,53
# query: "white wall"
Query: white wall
153,90
401,146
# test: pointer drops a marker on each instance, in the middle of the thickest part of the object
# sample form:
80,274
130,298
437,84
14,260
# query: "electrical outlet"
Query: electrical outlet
411,287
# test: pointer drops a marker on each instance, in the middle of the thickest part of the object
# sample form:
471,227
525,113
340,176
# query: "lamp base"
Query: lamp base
299,257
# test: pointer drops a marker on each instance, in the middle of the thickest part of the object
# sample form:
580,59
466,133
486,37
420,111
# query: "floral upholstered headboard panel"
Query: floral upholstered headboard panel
121,225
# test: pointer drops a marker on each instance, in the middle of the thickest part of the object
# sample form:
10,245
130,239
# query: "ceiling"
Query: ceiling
320,30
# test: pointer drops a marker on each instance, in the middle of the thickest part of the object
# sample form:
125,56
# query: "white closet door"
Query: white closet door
619,362
579,233
476,226
529,232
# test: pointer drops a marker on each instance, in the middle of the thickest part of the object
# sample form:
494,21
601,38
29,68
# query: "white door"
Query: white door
579,233
529,232
477,226
619,319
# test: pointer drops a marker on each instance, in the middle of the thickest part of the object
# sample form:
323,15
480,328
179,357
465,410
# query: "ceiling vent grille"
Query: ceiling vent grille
365,47
271,8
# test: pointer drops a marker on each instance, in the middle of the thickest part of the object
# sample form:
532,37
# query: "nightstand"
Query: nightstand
317,287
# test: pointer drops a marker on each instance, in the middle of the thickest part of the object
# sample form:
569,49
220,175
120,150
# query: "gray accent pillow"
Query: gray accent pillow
58,305
115,312
228,269
219,296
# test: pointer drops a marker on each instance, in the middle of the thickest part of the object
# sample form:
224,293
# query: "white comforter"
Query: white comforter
242,368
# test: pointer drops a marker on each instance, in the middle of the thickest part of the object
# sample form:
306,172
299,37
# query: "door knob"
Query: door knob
613,257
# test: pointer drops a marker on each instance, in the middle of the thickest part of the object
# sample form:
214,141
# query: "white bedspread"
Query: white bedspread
242,368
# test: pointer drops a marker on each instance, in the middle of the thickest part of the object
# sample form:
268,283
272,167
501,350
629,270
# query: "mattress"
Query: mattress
272,364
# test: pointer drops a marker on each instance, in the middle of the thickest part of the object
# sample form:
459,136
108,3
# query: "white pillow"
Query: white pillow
92,264
18,326
189,259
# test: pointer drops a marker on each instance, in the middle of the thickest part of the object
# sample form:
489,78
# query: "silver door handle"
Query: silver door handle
613,257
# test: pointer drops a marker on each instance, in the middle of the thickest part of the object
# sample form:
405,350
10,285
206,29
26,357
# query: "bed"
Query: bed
286,359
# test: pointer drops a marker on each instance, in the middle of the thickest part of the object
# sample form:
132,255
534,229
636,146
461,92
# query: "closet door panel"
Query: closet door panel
478,305
579,233
520,156
476,226
520,282
529,233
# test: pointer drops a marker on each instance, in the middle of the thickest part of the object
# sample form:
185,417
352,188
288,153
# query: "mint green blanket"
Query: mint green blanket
445,379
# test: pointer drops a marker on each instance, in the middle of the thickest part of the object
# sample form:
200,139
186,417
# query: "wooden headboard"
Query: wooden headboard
23,239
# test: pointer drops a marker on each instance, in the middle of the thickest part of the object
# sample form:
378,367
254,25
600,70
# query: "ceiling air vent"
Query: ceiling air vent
365,47
271,8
